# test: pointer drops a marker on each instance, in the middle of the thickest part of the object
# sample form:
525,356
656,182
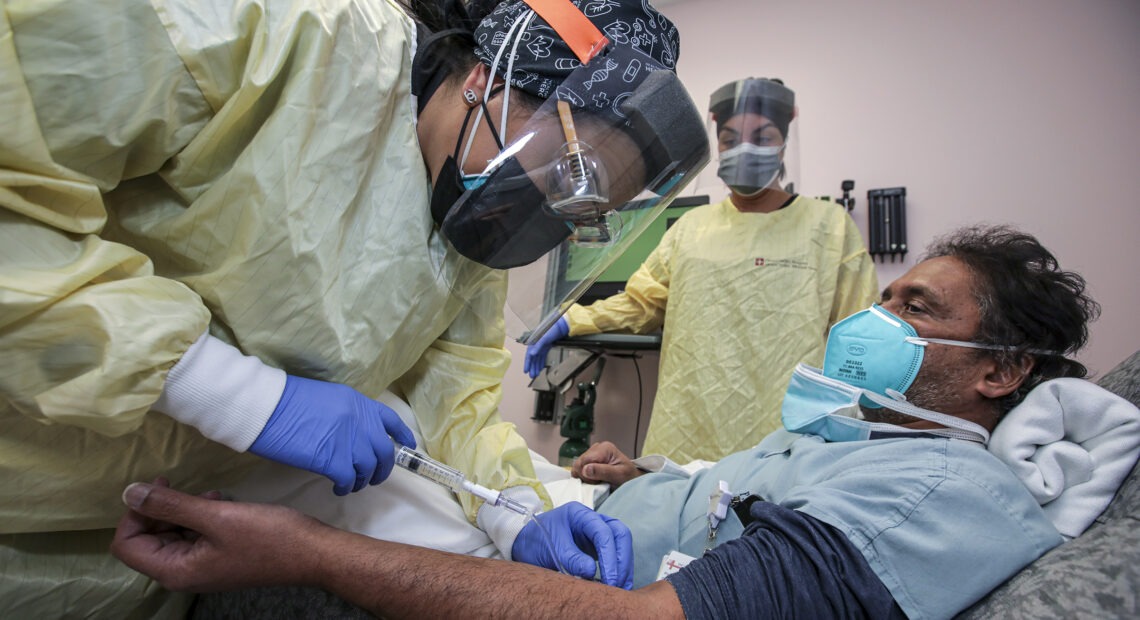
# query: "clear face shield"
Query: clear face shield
752,127
581,179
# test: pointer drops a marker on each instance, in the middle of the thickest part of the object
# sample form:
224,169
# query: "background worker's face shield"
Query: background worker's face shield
752,126
577,183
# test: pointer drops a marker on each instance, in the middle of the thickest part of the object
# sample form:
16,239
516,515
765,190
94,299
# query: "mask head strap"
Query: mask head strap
956,427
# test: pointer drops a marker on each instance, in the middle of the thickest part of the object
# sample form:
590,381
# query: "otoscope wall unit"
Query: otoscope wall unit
886,223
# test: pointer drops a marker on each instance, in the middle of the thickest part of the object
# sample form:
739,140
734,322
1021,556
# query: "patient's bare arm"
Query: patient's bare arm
201,545
603,462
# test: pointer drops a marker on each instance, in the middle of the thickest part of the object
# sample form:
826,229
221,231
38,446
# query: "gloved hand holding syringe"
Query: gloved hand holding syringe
609,537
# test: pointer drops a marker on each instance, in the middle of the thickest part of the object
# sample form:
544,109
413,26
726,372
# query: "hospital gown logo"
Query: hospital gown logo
786,263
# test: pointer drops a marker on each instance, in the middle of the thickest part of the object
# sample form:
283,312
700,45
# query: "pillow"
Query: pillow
1096,575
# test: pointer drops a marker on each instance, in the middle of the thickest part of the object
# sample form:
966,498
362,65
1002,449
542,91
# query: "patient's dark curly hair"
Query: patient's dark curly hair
1026,301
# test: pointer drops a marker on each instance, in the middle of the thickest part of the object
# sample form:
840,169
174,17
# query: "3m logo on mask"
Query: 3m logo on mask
856,349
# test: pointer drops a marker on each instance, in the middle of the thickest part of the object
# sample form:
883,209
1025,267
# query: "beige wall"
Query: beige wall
1003,111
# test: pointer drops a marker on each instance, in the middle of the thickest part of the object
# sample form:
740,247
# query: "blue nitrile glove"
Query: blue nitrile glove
536,353
580,537
333,430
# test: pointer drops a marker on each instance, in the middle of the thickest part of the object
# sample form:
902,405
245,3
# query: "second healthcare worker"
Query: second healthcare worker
227,226
745,288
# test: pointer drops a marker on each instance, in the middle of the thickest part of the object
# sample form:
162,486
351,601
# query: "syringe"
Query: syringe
453,479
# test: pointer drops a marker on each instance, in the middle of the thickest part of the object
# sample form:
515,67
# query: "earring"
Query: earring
470,97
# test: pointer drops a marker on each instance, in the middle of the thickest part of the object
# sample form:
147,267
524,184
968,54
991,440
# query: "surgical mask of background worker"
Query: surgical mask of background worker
749,168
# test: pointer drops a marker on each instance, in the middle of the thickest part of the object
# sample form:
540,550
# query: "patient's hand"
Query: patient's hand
603,462
203,544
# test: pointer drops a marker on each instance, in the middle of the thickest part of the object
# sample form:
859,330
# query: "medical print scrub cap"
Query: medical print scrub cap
539,60
767,97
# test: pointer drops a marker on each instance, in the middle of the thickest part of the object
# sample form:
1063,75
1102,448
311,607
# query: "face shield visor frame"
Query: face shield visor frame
557,206
752,127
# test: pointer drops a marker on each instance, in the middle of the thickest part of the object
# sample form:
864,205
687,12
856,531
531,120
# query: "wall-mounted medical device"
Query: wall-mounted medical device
886,223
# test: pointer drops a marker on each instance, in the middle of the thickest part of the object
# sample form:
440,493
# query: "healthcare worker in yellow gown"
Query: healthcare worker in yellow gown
745,288
227,227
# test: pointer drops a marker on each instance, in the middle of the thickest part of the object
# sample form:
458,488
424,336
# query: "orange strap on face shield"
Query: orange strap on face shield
583,37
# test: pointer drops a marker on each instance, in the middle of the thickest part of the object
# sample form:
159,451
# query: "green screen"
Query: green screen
631,259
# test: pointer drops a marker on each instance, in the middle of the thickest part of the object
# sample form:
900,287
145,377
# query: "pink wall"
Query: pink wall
1004,111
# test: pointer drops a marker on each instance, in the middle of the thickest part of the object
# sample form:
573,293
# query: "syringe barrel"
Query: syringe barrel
429,468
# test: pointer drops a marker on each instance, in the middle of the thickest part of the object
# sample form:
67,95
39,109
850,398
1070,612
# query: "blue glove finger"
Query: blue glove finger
592,530
343,476
382,447
395,427
536,353
623,542
570,555
364,457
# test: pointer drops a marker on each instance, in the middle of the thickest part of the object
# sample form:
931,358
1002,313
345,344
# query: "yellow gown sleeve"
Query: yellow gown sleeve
640,308
857,283
455,389
87,331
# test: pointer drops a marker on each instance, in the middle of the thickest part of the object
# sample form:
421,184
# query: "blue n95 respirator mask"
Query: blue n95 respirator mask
878,352
873,350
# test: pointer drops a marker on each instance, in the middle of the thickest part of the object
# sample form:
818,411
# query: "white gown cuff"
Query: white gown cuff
503,526
224,394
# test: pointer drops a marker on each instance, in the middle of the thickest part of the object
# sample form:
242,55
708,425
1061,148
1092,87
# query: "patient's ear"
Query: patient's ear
1003,379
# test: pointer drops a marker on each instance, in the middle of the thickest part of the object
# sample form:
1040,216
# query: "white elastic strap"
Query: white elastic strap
224,394
975,345
956,427
529,15
487,92
883,315
502,525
